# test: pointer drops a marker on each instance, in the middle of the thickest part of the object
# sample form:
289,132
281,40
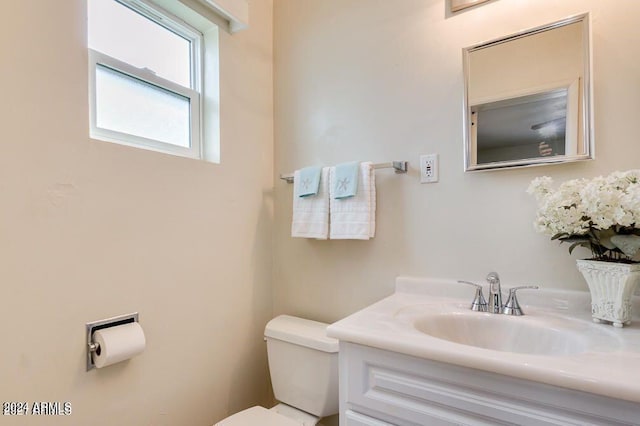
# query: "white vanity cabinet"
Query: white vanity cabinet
421,357
379,388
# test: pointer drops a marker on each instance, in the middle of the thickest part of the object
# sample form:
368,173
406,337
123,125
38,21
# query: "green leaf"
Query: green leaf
576,238
578,244
604,237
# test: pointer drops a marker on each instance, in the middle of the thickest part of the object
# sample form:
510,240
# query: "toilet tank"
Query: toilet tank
303,363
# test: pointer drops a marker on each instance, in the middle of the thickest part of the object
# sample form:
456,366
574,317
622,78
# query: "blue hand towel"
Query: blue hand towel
309,181
346,180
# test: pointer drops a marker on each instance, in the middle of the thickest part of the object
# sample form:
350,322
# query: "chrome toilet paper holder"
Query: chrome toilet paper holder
91,327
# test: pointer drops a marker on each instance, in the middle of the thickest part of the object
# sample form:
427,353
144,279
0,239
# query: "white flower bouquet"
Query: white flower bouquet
601,214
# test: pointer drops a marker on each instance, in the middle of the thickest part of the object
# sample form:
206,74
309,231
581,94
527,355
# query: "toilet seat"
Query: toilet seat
255,416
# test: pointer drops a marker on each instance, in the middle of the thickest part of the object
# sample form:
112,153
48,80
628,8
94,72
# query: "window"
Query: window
145,74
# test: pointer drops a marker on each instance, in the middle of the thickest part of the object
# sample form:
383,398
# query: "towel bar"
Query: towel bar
398,166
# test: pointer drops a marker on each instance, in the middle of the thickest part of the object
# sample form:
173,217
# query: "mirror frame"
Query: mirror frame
586,92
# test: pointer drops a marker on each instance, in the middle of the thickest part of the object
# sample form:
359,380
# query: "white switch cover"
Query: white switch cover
429,168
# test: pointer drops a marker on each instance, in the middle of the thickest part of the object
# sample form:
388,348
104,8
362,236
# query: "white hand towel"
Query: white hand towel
355,217
311,213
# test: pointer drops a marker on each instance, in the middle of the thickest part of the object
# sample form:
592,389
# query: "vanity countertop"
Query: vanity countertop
610,366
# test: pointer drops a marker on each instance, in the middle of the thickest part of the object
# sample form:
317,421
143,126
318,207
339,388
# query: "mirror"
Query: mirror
528,98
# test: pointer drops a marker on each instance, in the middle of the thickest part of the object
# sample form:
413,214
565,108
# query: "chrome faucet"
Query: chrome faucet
495,293
495,306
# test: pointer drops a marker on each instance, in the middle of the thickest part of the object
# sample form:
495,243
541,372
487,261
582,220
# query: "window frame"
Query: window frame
194,93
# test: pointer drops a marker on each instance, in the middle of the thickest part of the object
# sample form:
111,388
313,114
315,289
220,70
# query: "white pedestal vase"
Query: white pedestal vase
611,285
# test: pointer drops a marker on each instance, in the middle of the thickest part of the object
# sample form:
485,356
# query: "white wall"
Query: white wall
382,80
89,230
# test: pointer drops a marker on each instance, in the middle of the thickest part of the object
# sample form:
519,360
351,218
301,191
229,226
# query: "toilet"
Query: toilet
303,363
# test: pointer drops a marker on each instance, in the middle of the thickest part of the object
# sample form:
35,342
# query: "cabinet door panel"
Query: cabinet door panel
419,391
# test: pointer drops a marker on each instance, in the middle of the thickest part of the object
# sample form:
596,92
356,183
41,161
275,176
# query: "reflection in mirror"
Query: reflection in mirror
527,98
525,127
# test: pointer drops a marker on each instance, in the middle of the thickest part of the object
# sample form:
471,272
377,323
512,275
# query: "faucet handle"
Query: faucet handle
479,302
493,277
512,307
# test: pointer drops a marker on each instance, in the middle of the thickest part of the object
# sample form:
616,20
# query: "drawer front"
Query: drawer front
421,392
356,419
353,418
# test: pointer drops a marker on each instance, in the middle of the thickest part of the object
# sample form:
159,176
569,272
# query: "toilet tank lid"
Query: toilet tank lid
303,332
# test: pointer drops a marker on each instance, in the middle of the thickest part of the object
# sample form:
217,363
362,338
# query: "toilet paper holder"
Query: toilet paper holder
91,327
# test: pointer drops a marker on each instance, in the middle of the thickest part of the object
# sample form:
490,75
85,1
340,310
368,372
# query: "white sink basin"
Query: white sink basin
503,333
555,342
